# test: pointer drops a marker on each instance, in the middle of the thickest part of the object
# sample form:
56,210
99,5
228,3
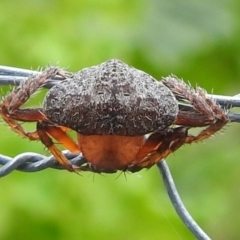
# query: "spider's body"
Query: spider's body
112,107
111,99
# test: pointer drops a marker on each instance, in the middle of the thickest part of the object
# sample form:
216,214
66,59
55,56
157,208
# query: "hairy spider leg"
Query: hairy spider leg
211,113
160,144
45,130
9,108
11,114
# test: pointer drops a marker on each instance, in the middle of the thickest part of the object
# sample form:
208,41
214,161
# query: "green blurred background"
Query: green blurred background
195,40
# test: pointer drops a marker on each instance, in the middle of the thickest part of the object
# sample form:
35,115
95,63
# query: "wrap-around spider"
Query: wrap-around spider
124,118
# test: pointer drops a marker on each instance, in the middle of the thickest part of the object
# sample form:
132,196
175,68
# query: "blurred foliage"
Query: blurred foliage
197,41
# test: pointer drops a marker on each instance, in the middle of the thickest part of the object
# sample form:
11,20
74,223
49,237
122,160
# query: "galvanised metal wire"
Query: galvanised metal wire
33,162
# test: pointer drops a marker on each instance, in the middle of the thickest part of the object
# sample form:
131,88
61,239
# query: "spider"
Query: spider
124,118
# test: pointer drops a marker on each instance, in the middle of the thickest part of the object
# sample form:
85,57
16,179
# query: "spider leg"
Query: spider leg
44,130
9,107
11,114
207,113
32,115
158,146
59,134
28,87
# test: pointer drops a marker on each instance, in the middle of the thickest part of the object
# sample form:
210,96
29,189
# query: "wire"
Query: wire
14,76
177,202
33,162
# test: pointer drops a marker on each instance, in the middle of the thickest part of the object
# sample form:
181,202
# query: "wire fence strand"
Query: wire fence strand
14,76
33,162
177,203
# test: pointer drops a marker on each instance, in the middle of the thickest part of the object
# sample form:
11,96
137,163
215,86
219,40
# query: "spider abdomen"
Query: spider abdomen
111,98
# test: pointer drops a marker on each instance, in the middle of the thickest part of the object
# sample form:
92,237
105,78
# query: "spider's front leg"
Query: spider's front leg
9,107
206,111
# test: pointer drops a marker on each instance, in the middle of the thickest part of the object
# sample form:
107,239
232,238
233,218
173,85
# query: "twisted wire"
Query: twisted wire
33,162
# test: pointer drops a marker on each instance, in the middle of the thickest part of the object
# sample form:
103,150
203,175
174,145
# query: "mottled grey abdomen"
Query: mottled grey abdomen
111,98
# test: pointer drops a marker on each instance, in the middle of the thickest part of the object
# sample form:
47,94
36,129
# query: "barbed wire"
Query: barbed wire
33,162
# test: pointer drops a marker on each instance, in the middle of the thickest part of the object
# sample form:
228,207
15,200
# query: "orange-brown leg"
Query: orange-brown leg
158,146
21,115
44,130
59,134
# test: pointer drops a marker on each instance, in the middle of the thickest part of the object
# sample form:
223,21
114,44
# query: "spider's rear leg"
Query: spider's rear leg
45,130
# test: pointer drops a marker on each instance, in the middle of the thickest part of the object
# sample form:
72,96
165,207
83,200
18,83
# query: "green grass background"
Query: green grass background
195,40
